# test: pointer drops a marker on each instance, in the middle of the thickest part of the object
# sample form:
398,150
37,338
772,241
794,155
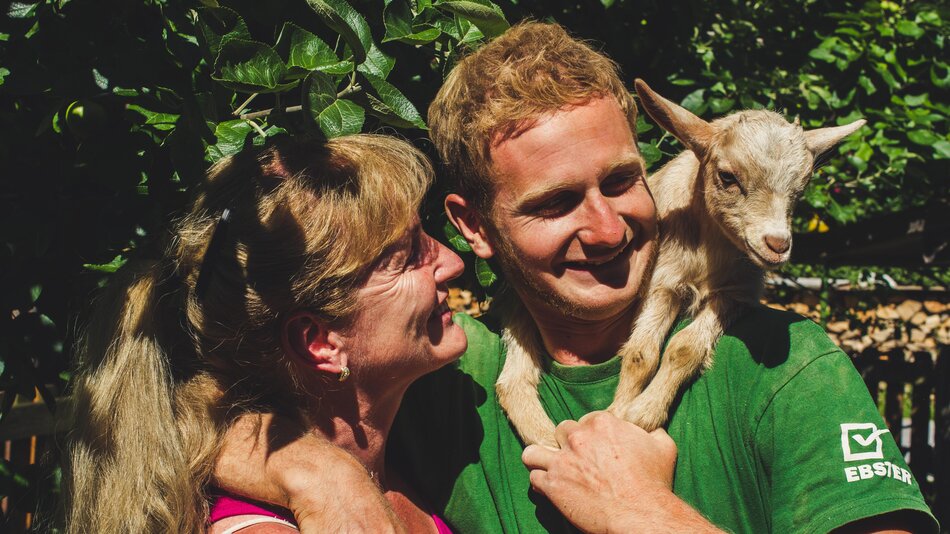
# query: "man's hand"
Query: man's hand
327,489
612,476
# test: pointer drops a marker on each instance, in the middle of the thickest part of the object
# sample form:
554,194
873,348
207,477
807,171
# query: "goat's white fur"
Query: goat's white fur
715,242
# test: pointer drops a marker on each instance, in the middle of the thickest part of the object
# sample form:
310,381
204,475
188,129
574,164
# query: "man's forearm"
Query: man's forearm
666,513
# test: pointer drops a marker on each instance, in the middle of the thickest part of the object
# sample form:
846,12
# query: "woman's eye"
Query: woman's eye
728,179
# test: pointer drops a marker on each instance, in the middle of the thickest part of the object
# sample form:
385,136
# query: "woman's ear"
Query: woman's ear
469,223
308,339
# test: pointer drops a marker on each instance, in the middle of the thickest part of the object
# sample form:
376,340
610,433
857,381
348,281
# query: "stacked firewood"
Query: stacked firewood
895,324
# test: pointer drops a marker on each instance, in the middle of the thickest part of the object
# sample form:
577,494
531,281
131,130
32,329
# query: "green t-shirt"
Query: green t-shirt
779,435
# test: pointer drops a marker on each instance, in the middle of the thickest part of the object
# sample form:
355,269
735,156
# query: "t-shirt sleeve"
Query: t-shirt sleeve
827,454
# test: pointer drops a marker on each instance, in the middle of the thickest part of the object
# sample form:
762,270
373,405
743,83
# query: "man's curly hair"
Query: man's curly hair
502,88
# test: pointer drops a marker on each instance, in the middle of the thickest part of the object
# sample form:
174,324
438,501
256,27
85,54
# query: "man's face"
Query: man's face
575,225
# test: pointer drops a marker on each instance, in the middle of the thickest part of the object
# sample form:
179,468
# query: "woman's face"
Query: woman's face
404,328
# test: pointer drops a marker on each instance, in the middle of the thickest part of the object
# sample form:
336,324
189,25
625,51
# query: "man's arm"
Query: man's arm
328,490
612,476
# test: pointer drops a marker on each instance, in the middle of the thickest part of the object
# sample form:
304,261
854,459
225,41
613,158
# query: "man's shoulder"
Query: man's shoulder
773,338
484,356
764,350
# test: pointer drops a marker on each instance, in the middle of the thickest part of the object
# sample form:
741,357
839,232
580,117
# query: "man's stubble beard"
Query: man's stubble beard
514,272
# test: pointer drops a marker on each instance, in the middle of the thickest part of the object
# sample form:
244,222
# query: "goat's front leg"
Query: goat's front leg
689,352
641,353
517,385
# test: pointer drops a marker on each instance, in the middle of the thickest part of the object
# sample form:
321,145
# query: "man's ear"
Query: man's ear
311,342
469,223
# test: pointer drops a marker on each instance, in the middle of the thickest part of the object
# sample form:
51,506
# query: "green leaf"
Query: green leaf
20,10
650,153
866,84
219,24
721,105
642,125
822,54
922,137
343,67
909,28
694,102
377,63
232,138
942,149
398,20
334,117
35,291
342,117
486,277
940,81
161,121
319,92
304,50
346,21
250,67
392,106
455,238
482,13
682,81
916,100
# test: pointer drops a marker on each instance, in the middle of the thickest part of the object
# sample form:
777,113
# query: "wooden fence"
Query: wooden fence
29,433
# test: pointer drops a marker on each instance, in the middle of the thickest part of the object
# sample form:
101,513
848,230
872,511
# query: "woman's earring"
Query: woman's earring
344,373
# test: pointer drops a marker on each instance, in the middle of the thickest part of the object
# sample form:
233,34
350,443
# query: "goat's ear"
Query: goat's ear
692,131
822,140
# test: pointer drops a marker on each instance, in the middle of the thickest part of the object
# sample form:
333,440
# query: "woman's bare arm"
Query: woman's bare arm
327,489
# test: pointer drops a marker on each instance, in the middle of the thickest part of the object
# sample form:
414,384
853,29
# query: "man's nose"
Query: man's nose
604,226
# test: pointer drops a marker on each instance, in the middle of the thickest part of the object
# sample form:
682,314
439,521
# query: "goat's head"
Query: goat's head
754,166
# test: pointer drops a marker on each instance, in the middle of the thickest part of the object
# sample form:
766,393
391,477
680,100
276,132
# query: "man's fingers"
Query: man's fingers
564,430
538,479
664,440
538,457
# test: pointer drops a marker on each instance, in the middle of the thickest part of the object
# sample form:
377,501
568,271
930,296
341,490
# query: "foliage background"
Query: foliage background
111,110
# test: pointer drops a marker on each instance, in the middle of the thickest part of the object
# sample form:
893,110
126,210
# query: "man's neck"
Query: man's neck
572,341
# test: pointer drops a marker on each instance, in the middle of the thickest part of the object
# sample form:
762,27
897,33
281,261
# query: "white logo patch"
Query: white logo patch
861,441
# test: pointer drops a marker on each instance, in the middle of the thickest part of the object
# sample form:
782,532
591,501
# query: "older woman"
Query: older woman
300,283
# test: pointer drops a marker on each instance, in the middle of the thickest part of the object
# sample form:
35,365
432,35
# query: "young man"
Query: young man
536,134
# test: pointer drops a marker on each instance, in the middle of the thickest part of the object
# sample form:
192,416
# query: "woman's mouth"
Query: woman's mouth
443,313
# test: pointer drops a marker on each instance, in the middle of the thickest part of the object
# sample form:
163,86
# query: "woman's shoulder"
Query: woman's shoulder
251,524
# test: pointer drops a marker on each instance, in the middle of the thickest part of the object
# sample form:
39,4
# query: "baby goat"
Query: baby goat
724,209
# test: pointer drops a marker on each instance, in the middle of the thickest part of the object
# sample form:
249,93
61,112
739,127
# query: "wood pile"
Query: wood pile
462,300
887,324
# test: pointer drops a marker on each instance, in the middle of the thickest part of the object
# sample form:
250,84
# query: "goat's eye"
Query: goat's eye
728,179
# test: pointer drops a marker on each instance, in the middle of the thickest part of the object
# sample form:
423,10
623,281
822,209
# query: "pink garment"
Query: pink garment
224,506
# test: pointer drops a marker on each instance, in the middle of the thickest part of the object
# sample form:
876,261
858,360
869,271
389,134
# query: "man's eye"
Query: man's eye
554,206
618,184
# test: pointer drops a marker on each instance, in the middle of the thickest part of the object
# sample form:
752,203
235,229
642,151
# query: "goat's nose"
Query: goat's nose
779,244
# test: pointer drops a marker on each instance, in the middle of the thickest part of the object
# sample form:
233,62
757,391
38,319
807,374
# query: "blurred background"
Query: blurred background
110,112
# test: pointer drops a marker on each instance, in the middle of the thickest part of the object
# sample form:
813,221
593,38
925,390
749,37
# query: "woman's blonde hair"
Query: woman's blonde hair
532,69
163,370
